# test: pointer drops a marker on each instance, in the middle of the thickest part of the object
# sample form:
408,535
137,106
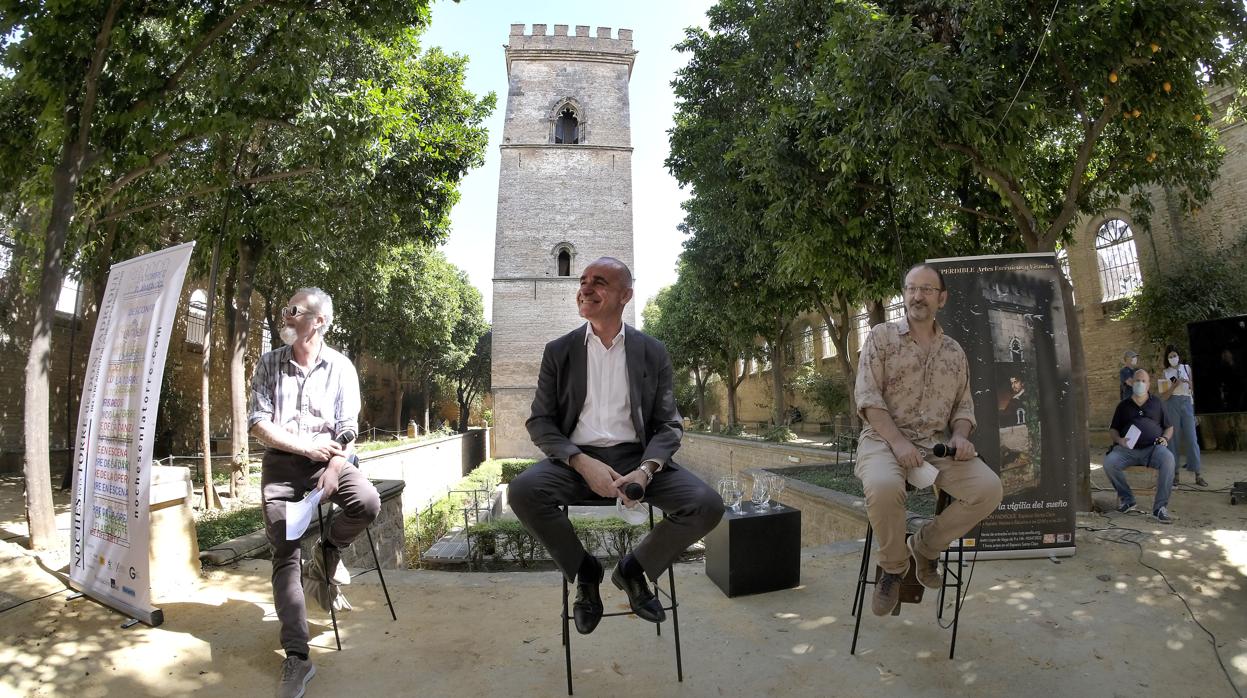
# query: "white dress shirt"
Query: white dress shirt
606,418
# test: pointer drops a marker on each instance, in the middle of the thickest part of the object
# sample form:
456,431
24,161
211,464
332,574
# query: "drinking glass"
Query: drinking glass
730,490
777,484
761,491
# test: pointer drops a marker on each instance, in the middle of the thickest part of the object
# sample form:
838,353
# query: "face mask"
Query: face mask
1173,361
1140,389
288,335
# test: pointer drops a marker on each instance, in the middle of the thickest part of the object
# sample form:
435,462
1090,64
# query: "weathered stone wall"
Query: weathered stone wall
713,457
552,197
429,468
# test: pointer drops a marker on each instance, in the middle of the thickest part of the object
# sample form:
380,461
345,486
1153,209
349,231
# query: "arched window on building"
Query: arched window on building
197,317
69,300
829,347
1118,260
1016,354
567,127
565,263
895,309
807,345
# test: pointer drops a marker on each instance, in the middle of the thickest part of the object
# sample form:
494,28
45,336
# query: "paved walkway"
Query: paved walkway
1099,623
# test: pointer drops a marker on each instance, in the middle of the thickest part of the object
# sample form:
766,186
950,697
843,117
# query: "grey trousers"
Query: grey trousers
287,477
691,508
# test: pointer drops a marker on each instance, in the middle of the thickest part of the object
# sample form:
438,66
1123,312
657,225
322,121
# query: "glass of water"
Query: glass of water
776,488
761,491
730,490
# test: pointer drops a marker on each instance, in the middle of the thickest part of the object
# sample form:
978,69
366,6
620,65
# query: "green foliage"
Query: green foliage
216,527
829,393
841,479
779,434
508,540
424,528
1204,284
512,467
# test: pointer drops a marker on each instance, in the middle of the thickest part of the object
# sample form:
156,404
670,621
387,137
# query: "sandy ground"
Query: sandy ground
1099,623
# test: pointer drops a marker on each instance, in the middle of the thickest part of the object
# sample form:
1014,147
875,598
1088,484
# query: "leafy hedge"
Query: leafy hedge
421,530
508,541
512,467
216,527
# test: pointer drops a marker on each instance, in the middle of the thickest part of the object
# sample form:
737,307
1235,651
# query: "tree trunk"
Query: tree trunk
249,250
1078,383
426,398
40,517
211,500
778,403
838,330
699,378
398,402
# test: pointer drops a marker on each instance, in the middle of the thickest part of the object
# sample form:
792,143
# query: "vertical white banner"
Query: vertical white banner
116,429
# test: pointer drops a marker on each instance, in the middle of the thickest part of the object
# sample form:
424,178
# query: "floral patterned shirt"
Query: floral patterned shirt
924,391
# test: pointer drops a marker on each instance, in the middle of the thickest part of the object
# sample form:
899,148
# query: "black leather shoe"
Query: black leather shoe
587,608
640,598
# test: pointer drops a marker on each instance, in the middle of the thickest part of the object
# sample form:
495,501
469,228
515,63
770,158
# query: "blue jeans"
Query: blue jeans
1181,411
1157,457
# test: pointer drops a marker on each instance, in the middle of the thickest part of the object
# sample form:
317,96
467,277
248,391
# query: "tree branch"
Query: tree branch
1022,214
261,179
92,82
1069,205
213,34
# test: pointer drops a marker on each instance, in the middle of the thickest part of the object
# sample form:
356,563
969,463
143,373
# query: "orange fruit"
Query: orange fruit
1112,77
1151,157
1166,87
1155,48
1135,113
1199,117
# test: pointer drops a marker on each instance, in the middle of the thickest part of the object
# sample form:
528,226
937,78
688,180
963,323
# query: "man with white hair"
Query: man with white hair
304,408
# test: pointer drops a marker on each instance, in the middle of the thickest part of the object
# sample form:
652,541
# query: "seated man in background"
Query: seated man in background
1141,433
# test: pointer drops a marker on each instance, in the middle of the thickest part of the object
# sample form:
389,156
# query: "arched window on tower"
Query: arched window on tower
565,262
567,127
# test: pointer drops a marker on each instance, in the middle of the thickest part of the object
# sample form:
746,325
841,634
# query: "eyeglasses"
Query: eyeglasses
924,290
294,311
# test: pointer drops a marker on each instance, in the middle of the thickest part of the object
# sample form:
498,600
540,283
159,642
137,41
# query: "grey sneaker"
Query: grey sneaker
1200,481
887,594
926,570
1127,508
295,673
1162,515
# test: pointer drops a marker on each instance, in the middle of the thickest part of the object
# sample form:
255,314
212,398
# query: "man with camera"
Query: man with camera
304,408
1141,433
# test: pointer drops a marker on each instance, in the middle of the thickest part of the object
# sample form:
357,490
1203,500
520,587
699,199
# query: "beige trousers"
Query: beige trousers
975,489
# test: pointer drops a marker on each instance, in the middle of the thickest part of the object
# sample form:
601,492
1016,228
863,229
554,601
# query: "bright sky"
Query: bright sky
479,28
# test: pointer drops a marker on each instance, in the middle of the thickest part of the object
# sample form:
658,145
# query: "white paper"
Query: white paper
299,514
922,476
1132,436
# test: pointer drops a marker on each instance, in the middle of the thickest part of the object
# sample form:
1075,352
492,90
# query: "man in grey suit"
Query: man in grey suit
605,417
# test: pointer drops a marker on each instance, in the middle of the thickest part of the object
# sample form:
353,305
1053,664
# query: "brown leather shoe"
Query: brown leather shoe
887,594
926,570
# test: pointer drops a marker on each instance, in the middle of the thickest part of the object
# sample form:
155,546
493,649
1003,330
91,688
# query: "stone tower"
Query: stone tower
564,199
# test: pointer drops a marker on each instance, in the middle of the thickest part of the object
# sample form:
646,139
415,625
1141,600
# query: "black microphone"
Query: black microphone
634,491
944,451
345,437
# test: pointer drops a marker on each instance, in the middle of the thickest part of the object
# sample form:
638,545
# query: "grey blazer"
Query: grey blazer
561,388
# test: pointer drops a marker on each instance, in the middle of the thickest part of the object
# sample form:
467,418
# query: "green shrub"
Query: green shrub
732,430
216,527
512,467
829,394
508,540
424,528
779,434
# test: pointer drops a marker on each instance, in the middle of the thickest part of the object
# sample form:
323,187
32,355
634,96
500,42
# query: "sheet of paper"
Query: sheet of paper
299,514
922,476
1132,436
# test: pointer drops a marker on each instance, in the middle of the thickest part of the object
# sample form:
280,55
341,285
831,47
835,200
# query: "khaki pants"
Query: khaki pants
975,488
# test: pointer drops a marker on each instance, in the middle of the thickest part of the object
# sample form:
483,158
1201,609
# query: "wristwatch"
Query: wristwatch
649,474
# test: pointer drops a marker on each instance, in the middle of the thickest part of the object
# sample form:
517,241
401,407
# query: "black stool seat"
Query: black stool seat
671,605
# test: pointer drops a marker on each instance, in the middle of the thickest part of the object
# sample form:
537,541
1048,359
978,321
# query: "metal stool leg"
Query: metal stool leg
377,561
675,625
324,560
860,593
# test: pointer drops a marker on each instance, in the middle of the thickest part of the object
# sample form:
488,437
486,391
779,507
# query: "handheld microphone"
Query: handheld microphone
345,437
634,491
943,451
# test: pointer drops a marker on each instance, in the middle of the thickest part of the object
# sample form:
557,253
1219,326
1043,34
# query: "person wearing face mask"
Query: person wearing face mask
1177,387
305,410
1129,364
1141,433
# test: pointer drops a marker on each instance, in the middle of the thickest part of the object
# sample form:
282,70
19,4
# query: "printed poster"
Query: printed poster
116,429
1007,313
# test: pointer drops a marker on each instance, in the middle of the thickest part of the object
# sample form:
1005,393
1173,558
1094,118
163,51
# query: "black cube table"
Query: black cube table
755,551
